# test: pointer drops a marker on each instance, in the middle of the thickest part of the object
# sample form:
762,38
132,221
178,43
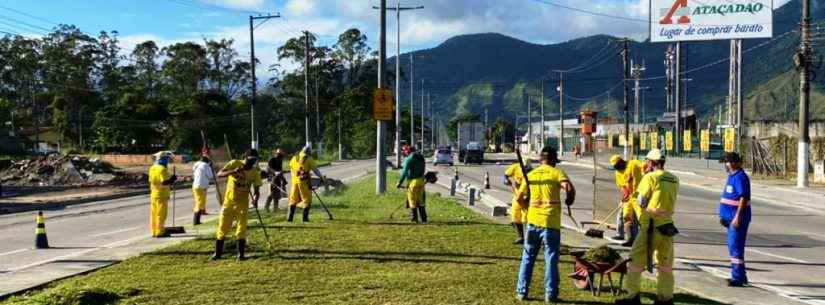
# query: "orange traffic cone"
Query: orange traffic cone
40,240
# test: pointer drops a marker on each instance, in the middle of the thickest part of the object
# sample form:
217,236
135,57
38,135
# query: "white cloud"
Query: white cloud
237,4
300,7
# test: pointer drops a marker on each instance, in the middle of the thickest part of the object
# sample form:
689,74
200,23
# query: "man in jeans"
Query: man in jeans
544,223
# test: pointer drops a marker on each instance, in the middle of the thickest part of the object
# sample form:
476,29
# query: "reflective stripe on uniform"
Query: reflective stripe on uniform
659,213
544,203
667,269
729,201
737,261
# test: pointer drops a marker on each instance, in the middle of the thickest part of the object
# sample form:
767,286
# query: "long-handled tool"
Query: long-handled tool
174,229
650,246
322,203
206,149
403,205
597,232
570,214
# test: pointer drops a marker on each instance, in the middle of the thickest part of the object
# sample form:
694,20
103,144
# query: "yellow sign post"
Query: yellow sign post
643,141
622,140
730,139
704,139
654,140
382,105
669,140
687,140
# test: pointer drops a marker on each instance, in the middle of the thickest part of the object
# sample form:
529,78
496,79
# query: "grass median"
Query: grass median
361,257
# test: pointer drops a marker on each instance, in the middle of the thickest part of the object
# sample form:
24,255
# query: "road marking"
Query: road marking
79,253
13,252
115,232
777,256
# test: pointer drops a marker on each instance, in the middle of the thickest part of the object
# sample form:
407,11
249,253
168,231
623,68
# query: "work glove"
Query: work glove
173,179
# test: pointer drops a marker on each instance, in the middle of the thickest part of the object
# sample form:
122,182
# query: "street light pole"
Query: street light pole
254,141
380,147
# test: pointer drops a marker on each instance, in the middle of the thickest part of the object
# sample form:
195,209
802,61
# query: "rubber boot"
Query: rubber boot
291,214
305,214
631,301
218,250
422,211
668,302
520,233
629,228
196,219
241,249
414,215
266,204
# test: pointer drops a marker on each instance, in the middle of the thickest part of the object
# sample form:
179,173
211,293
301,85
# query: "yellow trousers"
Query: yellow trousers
518,214
200,199
300,194
662,255
630,210
415,193
157,214
233,210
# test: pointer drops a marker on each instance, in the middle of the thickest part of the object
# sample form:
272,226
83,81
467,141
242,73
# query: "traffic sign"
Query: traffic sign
687,141
654,140
609,140
382,105
669,140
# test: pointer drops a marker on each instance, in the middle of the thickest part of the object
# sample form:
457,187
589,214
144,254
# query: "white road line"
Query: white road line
115,232
12,252
777,256
76,254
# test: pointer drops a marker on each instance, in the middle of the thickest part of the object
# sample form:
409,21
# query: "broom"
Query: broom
597,232
174,229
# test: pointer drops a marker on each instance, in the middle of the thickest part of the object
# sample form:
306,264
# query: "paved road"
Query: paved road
785,248
80,231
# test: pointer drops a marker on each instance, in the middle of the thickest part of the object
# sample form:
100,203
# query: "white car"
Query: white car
443,156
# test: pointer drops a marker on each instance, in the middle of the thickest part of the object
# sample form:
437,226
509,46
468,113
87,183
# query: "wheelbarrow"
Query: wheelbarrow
584,274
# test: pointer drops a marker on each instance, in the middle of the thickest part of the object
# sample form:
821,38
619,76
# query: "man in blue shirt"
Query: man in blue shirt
735,215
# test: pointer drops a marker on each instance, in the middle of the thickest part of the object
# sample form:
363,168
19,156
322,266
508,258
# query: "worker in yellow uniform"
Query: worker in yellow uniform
300,195
244,177
518,206
628,176
544,223
160,182
657,199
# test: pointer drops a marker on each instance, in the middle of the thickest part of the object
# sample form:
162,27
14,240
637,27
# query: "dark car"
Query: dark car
472,153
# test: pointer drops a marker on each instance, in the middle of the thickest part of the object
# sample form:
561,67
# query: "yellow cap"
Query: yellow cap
655,155
615,160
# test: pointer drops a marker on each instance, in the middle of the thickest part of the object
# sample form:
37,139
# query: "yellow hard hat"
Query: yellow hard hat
614,159
655,155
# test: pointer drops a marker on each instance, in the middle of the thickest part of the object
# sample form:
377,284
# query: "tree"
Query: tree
147,73
351,50
184,71
227,74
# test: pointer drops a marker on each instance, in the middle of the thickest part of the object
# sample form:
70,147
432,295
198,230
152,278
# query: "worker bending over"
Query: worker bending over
413,169
544,223
160,182
628,176
518,206
657,199
301,165
243,177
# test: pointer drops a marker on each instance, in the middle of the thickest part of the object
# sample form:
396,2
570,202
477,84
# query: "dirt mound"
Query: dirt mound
65,171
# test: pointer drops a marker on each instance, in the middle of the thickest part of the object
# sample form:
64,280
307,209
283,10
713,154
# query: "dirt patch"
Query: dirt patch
66,171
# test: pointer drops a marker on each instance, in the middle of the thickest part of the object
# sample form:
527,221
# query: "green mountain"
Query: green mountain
471,73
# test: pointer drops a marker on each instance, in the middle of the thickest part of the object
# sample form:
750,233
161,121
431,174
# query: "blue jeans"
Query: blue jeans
536,236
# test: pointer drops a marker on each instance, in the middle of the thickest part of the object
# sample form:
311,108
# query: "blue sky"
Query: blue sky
170,21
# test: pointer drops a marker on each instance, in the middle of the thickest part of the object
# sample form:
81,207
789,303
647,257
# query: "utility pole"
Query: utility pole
398,8
434,132
254,80
678,94
306,89
541,103
380,147
561,113
422,114
740,106
529,122
803,64
637,74
625,77
340,147
486,129
412,118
